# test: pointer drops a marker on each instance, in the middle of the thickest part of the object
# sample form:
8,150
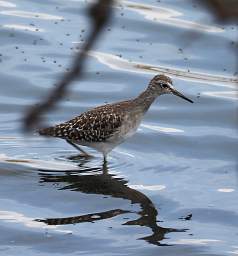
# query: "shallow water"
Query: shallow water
172,188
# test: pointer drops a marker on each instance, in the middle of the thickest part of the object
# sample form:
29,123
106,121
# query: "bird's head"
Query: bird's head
162,84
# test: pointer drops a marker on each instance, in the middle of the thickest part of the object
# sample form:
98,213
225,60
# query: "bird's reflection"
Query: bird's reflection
99,181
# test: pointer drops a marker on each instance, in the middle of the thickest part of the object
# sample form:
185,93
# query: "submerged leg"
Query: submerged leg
104,159
104,165
78,148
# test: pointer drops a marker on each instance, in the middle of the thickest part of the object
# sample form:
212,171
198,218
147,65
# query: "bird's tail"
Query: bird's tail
49,131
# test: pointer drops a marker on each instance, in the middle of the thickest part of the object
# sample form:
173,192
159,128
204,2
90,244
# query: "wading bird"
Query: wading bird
105,127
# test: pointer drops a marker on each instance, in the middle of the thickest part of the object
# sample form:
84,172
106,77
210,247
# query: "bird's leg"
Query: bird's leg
104,166
78,148
104,159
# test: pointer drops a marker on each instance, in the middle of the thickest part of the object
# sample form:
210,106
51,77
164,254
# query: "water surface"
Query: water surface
172,188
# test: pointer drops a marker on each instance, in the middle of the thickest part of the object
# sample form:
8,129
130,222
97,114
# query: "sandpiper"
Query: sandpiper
105,127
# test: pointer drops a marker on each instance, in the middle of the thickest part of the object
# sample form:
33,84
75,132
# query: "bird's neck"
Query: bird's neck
145,99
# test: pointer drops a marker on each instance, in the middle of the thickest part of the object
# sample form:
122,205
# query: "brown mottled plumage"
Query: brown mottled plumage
95,125
106,126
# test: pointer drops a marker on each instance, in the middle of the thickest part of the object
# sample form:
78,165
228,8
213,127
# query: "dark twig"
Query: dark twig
100,13
224,11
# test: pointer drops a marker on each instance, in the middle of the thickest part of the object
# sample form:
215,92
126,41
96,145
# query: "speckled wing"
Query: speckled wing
96,125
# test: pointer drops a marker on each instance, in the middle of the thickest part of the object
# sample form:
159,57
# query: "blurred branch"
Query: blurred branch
223,10
100,13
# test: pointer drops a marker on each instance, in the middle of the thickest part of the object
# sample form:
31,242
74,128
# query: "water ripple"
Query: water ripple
167,16
7,4
36,15
118,63
23,27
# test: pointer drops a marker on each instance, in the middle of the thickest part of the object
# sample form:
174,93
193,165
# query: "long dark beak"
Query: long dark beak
175,92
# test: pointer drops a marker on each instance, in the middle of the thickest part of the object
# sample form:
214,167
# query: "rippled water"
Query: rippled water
172,188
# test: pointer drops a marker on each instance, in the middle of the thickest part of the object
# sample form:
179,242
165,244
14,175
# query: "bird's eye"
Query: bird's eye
164,86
